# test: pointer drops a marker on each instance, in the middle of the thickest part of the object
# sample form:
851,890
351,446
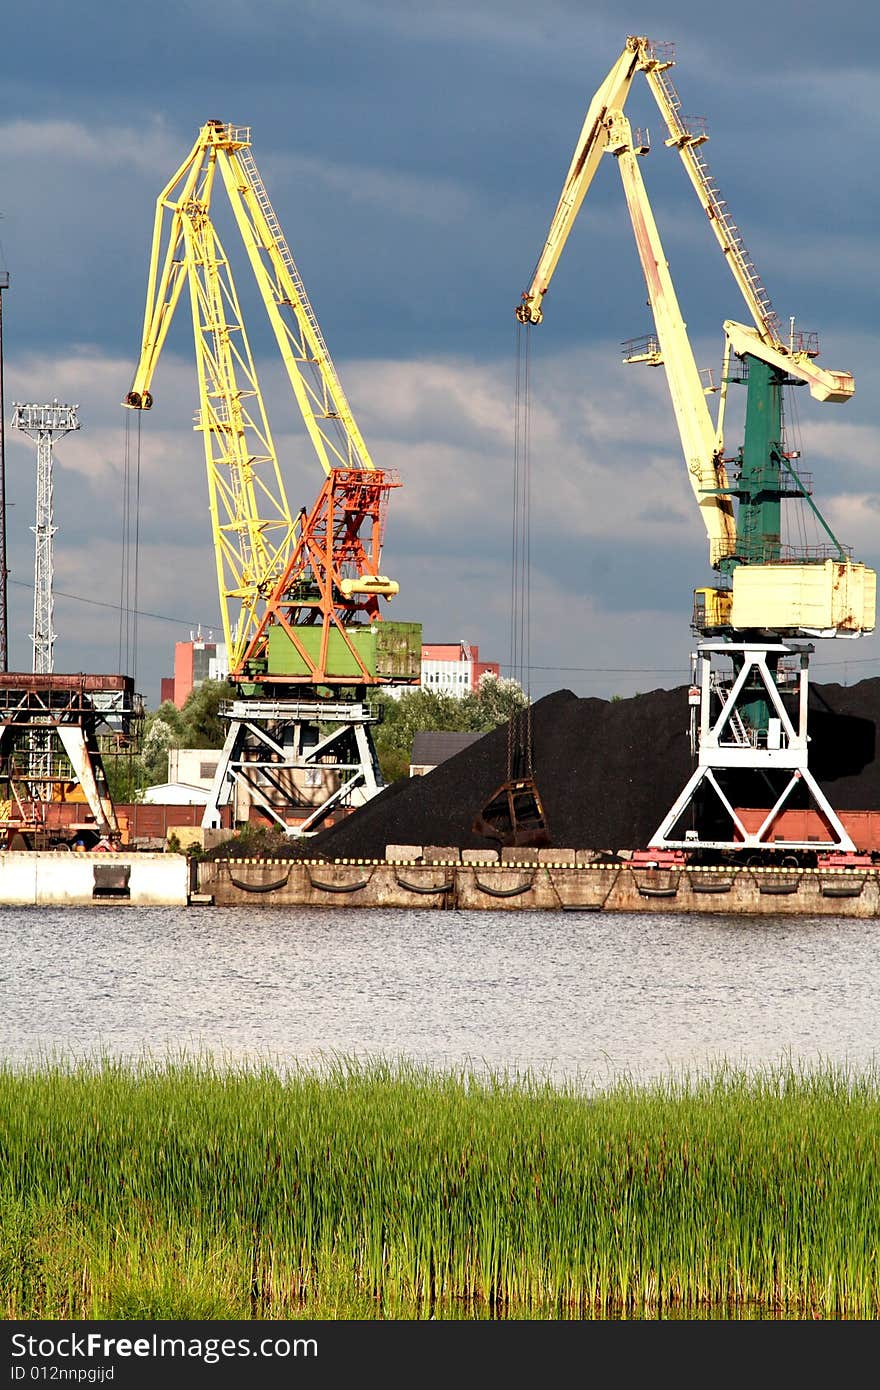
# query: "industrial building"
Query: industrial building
454,668
195,661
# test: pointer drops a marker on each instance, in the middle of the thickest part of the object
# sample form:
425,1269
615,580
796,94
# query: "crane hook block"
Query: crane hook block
527,311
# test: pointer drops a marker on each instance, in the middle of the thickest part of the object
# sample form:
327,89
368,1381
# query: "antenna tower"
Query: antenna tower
44,423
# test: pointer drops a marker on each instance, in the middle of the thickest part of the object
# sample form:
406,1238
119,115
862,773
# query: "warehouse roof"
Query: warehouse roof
431,747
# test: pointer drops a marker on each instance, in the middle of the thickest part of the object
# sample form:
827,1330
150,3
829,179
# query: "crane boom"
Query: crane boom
187,198
588,152
250,515
656,61
641,54
320,395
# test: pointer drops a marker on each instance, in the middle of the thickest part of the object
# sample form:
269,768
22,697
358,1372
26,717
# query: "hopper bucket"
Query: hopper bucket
514,815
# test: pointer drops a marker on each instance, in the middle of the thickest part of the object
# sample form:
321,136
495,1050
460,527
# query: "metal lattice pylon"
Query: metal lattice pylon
44,423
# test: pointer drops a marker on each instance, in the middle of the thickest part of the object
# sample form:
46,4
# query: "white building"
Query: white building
190,776
454,668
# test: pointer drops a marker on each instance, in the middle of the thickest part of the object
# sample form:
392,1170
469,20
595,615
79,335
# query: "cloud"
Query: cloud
147,149
414,156
446,425
410,195
616,541
571,34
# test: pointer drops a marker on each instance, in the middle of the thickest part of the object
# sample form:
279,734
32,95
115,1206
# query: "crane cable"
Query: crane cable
122,647
519,729
130,546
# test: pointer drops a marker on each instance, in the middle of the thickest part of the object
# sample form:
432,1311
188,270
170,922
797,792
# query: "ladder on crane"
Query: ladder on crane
340,408
658,59
741,736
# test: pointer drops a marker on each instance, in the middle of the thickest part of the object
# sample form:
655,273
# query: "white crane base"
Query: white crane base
725,744
277,757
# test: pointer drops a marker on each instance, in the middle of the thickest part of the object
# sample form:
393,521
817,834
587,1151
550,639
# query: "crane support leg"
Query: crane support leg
80,745
749,728
295,761
51,732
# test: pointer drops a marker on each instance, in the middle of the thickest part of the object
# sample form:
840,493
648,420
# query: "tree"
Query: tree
197,725
159,735
201,724
495,699
491,704
414,710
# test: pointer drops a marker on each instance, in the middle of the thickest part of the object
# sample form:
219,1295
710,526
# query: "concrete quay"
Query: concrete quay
54,878
554,880
433,877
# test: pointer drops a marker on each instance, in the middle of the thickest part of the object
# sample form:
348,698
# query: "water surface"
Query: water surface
586,997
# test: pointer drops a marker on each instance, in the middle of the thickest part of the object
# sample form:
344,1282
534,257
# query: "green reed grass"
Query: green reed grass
187,1189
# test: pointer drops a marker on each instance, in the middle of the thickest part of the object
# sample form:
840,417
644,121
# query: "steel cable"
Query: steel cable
130,549
519,737
122,649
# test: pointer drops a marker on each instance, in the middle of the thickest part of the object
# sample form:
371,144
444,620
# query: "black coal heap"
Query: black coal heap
607,772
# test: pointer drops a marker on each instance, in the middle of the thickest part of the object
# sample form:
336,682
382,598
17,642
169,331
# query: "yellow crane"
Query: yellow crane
839,597
301,593
755,722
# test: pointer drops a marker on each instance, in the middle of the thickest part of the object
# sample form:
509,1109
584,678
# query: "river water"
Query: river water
587,998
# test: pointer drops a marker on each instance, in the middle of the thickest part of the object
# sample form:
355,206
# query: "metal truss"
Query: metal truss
51,731
771,760
44,423
295,760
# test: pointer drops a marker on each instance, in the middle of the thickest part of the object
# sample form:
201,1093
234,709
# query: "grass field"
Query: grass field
190,1190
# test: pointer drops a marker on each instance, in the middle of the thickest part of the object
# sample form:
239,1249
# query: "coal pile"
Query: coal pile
607,772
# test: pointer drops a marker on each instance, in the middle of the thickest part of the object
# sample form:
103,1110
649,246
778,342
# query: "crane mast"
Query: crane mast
751,723
300,592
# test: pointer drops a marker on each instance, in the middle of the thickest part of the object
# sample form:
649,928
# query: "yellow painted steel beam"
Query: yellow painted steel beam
163,289
705,468
249,512
688,144
301,344
824,385
584,162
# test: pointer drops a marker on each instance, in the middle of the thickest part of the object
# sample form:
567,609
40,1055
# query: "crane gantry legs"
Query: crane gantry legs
747,763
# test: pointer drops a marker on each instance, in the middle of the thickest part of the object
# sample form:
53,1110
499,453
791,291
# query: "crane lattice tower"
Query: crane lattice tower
44,423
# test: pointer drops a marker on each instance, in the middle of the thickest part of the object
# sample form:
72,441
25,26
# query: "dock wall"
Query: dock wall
560,885
52,878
